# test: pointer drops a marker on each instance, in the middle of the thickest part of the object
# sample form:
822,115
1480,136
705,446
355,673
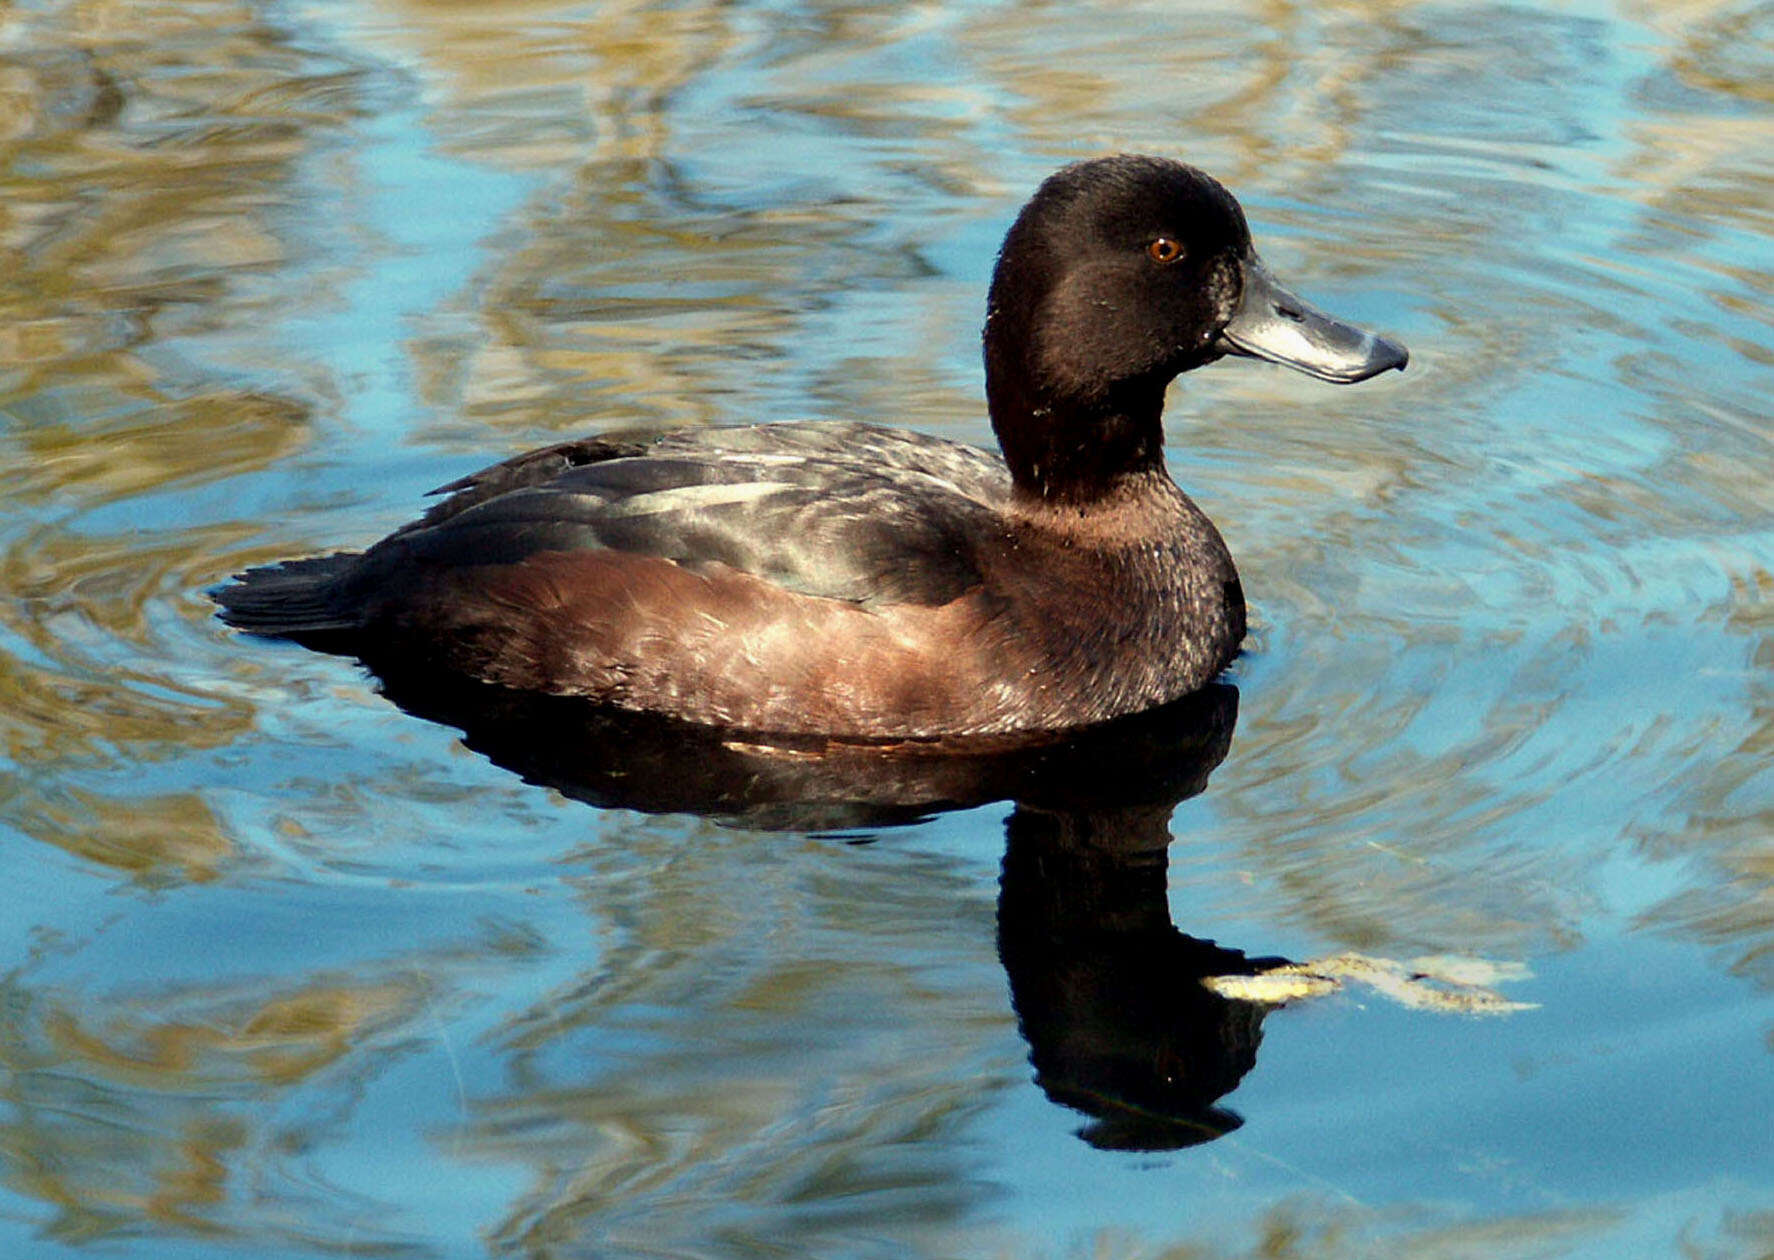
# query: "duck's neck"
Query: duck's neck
1073,449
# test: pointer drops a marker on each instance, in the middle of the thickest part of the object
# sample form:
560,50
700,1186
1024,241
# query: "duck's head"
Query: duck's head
1120,273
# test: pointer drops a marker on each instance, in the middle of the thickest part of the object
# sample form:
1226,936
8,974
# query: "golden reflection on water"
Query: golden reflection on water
174,838
725,213
153,442
120,1116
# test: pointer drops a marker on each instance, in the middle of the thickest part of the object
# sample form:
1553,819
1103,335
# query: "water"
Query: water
290,972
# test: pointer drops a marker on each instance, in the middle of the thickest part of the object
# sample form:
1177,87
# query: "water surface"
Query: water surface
291,972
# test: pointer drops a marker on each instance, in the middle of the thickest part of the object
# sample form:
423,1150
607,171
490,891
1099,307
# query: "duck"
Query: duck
850,581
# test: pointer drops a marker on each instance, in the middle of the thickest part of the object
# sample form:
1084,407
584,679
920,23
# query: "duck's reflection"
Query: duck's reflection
1106,990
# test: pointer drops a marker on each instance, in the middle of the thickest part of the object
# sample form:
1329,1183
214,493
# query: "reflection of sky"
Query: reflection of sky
1571,1110
407,226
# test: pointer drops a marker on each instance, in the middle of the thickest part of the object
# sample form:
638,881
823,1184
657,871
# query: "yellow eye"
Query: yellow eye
1164,250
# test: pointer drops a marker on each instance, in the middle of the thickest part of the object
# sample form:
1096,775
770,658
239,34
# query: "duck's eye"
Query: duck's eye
1164,250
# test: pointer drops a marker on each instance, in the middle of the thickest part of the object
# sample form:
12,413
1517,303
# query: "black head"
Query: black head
1117,269
1120,273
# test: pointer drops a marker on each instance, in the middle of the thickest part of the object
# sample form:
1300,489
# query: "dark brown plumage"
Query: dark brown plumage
851,580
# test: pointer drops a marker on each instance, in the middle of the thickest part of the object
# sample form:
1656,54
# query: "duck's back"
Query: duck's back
834,579
840,511
754,576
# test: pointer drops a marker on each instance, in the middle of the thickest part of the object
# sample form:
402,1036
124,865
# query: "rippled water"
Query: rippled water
291,972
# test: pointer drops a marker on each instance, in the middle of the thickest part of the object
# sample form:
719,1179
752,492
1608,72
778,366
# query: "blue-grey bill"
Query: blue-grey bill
1272,323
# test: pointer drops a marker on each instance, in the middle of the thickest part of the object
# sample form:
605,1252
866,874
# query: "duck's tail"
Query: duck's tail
297,599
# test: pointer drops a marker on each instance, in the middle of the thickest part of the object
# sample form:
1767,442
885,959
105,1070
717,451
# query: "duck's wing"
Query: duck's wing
841,511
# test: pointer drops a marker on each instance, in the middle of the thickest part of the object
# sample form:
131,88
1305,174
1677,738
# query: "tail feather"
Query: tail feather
291,600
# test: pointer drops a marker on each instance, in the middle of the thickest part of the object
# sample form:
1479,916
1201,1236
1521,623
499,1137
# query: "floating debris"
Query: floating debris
1461,986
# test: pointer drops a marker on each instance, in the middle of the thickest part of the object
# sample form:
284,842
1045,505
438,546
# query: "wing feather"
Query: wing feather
843,511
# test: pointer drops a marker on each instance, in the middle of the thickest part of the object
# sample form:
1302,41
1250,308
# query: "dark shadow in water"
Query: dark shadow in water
1106,990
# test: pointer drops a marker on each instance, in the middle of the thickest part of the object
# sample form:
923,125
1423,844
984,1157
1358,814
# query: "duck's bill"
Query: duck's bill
1271,323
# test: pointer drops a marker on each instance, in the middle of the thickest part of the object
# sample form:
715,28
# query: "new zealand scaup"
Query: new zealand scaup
854,581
